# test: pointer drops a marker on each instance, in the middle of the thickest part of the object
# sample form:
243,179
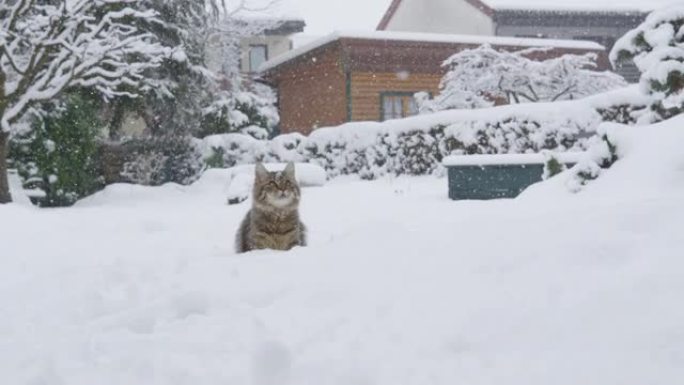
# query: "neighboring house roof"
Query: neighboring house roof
428,38
488,7
579,5
389,14
394,6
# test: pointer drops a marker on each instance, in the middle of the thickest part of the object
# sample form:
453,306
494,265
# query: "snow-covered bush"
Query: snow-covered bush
657,48
49,47
552,165
600,155
285,148
517,135
58,156
627,113
229,150
420,151
159,160
252,112
478,77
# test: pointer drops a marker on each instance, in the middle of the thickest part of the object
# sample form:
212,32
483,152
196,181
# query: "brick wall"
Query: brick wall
313,93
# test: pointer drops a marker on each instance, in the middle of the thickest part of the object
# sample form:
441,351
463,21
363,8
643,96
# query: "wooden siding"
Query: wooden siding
313,93
366,88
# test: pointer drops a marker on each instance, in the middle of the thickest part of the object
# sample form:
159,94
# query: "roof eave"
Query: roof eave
389,14
499,11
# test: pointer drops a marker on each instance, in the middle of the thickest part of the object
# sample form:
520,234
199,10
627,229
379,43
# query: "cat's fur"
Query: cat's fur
273,222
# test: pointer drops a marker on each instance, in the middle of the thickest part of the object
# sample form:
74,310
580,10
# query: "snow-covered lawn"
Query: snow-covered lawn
398,286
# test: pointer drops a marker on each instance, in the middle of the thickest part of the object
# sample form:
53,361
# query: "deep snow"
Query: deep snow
398,286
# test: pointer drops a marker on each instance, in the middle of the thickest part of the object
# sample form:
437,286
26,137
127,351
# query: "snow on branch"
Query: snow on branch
48,48
243,21
478,77
657,48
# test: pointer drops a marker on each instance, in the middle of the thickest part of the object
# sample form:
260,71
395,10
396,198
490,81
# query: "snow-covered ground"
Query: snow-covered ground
398,286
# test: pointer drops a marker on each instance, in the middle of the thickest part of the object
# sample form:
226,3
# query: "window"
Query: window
396,105
258,54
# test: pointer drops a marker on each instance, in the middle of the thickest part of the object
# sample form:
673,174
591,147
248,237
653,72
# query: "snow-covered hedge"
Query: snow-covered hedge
156,161
229,150
416,146
419,150
380,151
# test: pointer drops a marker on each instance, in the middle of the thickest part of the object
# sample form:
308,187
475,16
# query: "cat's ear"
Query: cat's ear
260,172
290,171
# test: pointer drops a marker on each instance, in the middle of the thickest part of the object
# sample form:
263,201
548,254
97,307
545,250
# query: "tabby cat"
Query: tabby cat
273,222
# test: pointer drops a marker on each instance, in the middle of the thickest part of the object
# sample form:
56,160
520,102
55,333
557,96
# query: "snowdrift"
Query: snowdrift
650,162
399,285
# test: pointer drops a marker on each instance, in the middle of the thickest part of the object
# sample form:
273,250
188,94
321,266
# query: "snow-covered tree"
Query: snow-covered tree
58,156
250,110
176,89
231,32
657,48
47,47
242,105
201,81
478,77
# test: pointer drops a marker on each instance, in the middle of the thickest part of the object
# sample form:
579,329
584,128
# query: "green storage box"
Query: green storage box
497,176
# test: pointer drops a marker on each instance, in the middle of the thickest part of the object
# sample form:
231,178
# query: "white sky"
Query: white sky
325,16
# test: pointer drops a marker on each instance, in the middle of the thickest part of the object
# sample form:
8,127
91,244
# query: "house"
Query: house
267,38
263,39
372,76
273,42
602,21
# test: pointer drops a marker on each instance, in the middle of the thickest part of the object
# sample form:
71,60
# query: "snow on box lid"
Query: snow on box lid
509,159
429,38
581,5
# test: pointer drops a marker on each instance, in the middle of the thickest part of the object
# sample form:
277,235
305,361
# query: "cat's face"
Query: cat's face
277,189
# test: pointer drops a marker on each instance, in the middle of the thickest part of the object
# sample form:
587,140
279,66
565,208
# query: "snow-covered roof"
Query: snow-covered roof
581,5
509,159
428,38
